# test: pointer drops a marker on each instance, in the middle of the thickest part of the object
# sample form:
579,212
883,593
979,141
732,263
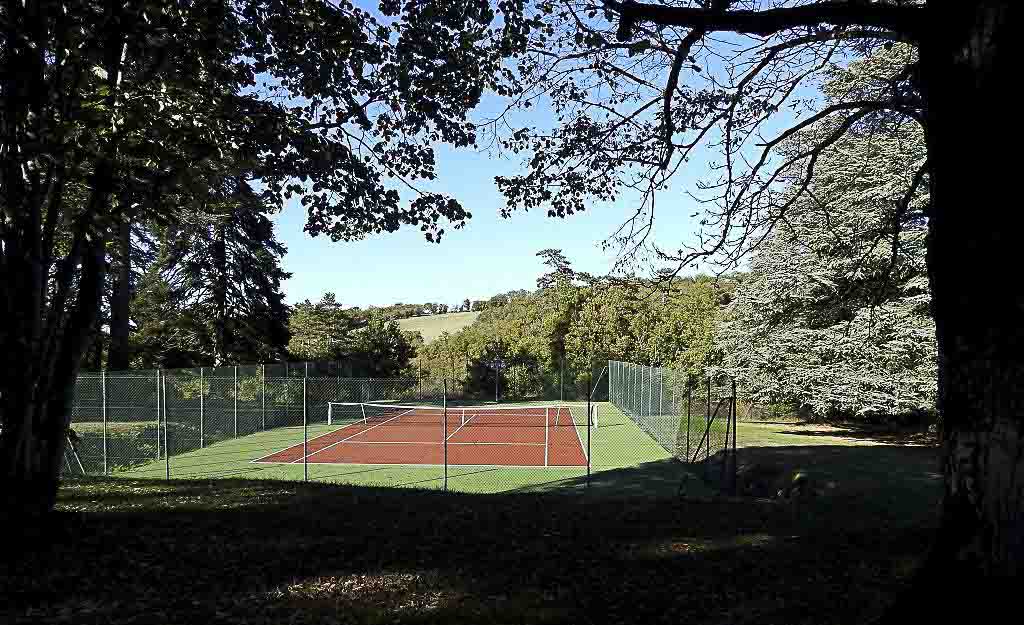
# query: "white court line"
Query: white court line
465,421
304,457
406,464
437,443
332,433
580,436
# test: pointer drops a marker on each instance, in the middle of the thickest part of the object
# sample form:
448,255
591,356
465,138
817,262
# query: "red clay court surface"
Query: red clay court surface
517,437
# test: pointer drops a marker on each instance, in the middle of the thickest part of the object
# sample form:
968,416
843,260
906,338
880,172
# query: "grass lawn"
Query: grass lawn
623,459
240,551
431,326
625,549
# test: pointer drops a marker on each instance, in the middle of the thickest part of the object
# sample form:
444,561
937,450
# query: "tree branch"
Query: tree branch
907,20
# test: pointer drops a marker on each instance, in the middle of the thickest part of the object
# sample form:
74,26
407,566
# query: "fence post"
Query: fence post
158,414
103,384
661,393
305,435
726,483
707,421
167,440
263,397
590,383
689,402
636,386
444,417
735,424
547,420
202,406
561,380
650,392
235,394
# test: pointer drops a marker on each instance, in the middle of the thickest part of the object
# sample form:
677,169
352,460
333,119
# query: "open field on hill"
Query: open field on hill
432,326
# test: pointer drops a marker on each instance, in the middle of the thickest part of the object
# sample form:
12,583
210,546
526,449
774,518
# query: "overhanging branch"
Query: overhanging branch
906,20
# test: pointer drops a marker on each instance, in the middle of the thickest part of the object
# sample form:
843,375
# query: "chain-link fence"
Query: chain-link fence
540,433
691,418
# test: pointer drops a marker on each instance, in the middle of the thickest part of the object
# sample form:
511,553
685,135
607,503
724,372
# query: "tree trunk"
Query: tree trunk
220,293
119,354
37,409
974,261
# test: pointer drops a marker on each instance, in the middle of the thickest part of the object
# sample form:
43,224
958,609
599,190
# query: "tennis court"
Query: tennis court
370,433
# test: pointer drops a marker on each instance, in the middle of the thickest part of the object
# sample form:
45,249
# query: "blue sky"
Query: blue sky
490,255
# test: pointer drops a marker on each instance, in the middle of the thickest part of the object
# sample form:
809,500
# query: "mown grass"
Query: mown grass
621,547
637,464
240,551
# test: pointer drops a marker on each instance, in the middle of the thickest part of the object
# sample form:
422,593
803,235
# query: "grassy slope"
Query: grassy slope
234,551
432,326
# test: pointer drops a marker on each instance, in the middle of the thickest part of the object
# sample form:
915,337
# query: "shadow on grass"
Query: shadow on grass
659,479
273,551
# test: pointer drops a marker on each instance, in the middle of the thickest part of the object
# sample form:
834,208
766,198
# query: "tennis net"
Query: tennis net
339,413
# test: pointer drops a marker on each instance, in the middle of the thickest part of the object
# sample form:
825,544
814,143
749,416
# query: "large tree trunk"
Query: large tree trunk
119,354
969,63
37,406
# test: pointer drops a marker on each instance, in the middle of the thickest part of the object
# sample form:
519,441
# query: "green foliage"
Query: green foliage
167,114
320,331
567,330
376,346
835,313
382,347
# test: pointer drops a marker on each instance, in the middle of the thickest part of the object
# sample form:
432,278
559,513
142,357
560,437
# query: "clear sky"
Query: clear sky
490,255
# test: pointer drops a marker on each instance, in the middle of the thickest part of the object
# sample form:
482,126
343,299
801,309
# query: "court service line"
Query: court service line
304,457
464,423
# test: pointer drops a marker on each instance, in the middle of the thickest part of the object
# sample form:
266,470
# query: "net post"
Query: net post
103,410
235,394
167,440
547,419
305,435
444,417
202,405
263,397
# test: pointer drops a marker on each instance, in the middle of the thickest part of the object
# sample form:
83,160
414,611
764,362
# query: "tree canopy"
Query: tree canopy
835,313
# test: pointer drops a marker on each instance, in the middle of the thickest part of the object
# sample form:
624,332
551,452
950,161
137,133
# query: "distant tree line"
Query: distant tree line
572,323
